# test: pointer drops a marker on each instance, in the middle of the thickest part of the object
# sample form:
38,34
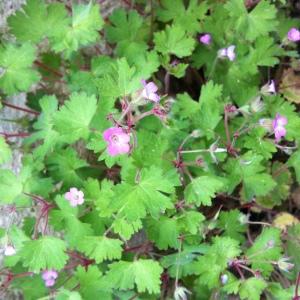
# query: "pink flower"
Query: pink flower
9,250
75,197
117,140
205,39
278,126
49,276
227,53
293,35
149,91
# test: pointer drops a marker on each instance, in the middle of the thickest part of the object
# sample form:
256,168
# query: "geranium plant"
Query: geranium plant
160,152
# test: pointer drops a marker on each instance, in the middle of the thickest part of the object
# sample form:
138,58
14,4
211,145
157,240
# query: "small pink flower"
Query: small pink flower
49,276
227,53
150,91
205,39
117,140
75,197
9,250
278,126
293,35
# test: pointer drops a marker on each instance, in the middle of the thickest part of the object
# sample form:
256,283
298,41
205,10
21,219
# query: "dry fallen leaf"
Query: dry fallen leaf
283,220
290,86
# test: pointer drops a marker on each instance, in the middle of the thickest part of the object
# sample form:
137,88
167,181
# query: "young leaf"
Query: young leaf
82,30
174,40
5,152
101,248
73,119
15,63
144,273
202,189
44,253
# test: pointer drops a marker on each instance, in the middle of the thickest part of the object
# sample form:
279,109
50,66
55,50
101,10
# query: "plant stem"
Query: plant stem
296,297
45,67
36,113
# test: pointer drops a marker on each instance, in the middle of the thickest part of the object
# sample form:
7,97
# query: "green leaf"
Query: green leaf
215,261
101,248
5,152
120,82
210,107
252,288
10,186
230,223
187,17
44,127
82,30
248,170
255,141
125,26
15,63
63,165
264,53
134,200
74,117
259,22
32,23
126,229
266,248
163,232
202,189
44,253
90,283
174,40
144,273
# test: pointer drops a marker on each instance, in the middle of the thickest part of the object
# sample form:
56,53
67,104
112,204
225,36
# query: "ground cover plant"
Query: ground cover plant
160,150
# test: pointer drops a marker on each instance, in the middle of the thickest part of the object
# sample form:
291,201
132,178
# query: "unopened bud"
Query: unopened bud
196,133
224,279
181,293
284,265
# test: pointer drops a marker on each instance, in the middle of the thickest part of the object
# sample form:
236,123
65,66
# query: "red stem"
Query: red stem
36,113
296,297
45,67
10,135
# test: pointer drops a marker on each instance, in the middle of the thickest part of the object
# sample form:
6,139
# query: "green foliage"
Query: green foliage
101,248
44,253
202,189
5,152
151,161
144,273
16,62
174,40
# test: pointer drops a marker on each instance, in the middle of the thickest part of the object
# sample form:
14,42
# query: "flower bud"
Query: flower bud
181,293
224,279
284,265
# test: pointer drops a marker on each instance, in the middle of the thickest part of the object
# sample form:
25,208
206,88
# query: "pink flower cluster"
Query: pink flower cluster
75,197
117,141
49,276
278,126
